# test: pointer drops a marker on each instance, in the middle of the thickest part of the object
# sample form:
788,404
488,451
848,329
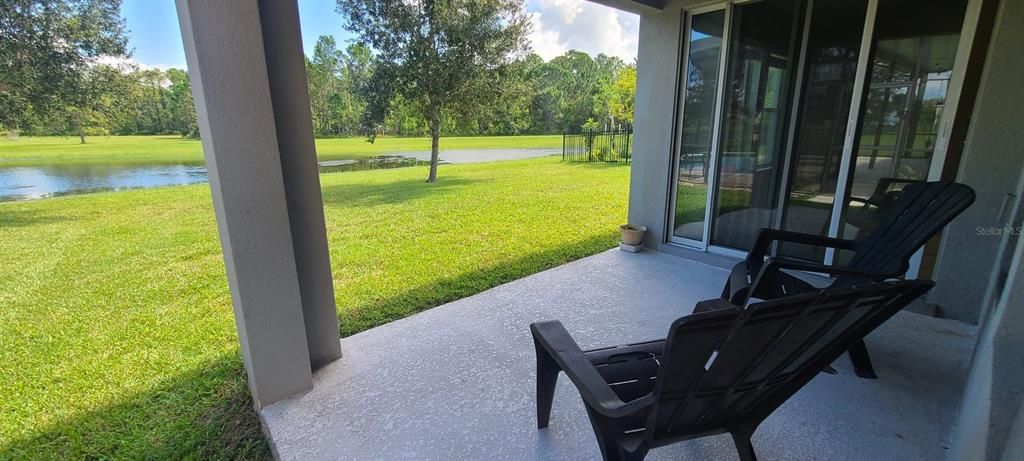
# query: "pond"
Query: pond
35,182
26,183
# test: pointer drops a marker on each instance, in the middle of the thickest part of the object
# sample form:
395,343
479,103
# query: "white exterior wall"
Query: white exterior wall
656,89
992,413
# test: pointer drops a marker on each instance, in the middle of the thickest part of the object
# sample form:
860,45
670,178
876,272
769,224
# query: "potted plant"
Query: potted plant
632,234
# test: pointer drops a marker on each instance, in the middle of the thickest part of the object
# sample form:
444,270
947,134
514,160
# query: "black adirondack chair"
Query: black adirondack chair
906,223
721,371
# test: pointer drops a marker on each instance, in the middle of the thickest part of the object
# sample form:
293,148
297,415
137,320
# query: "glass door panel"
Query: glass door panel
913,52
761,57
830,66
700,95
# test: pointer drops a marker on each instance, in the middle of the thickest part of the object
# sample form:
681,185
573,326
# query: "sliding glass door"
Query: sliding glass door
700,92
832,51
912,58
760,64
809,116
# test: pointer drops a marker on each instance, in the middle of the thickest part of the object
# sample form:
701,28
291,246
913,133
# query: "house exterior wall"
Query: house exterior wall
992,415
979,275
964,257
656,89
992,159
658,68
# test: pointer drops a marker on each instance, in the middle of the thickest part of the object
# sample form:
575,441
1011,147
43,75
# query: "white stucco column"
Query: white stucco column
657,77
253,112
289,94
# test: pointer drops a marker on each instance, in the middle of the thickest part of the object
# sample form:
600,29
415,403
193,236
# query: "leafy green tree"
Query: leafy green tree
46,49
441,55
183,110
615,101
91,109
324,73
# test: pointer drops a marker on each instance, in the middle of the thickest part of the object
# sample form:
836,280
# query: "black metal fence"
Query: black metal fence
611,146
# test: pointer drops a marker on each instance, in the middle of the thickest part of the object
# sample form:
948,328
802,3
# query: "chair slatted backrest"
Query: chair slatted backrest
920,212
734,366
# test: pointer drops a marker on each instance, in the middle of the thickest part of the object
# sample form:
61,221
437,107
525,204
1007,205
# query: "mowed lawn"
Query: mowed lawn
116,333
33,151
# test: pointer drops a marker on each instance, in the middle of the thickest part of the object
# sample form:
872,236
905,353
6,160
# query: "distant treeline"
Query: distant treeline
540,98
118,99
563,94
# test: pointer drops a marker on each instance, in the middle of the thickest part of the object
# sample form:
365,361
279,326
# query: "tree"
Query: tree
324,71
93,107
441,55
46,48
615,102
183,110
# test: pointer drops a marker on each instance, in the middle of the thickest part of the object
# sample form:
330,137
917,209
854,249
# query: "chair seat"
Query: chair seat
739,282
630,370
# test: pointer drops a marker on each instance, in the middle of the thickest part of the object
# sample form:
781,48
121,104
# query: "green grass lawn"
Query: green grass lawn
116,333
32,151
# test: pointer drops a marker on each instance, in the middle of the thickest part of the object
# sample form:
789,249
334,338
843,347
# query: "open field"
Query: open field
32,151
116,333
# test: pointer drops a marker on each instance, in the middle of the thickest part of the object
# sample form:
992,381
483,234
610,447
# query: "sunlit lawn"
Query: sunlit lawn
116,333
31,151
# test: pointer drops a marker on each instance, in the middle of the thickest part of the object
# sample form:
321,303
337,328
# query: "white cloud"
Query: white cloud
562,25
128,64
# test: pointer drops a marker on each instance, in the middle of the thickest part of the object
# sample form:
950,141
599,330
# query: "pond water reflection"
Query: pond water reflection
34,182
26,183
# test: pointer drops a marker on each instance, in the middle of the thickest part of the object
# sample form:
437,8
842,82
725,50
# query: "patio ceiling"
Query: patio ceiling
457,381
634,6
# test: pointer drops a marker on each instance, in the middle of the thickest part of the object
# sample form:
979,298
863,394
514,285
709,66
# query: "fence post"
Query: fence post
563,146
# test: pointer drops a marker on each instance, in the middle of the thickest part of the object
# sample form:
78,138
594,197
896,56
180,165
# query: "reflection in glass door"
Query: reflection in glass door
871,78
831,56
700,94
911,66
762,46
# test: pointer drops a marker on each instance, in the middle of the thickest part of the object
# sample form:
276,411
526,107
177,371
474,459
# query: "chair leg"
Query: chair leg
547,378
862,361
741,438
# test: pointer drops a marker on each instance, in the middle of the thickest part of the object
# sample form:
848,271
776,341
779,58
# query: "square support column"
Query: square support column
253,111
289,94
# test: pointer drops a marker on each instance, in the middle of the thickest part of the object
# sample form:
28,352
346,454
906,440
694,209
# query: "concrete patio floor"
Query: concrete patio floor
457,381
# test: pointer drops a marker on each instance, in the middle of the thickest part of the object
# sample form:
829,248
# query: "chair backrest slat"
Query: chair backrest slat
719,368
920,212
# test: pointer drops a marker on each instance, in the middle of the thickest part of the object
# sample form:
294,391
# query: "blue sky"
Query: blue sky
559,25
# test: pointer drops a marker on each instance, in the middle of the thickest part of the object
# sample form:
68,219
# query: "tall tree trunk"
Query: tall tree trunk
435,135
81,129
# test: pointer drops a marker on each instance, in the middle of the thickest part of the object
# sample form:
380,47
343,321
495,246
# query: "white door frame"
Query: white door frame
715,129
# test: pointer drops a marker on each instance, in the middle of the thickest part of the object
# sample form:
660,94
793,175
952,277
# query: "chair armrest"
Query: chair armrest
764,239
807,266
560,346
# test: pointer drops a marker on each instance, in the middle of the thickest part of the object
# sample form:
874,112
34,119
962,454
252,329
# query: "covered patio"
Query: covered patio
457,381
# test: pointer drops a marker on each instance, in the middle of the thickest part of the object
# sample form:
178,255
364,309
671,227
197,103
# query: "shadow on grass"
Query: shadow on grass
354,319
596,164
206,414
361,194
25,218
